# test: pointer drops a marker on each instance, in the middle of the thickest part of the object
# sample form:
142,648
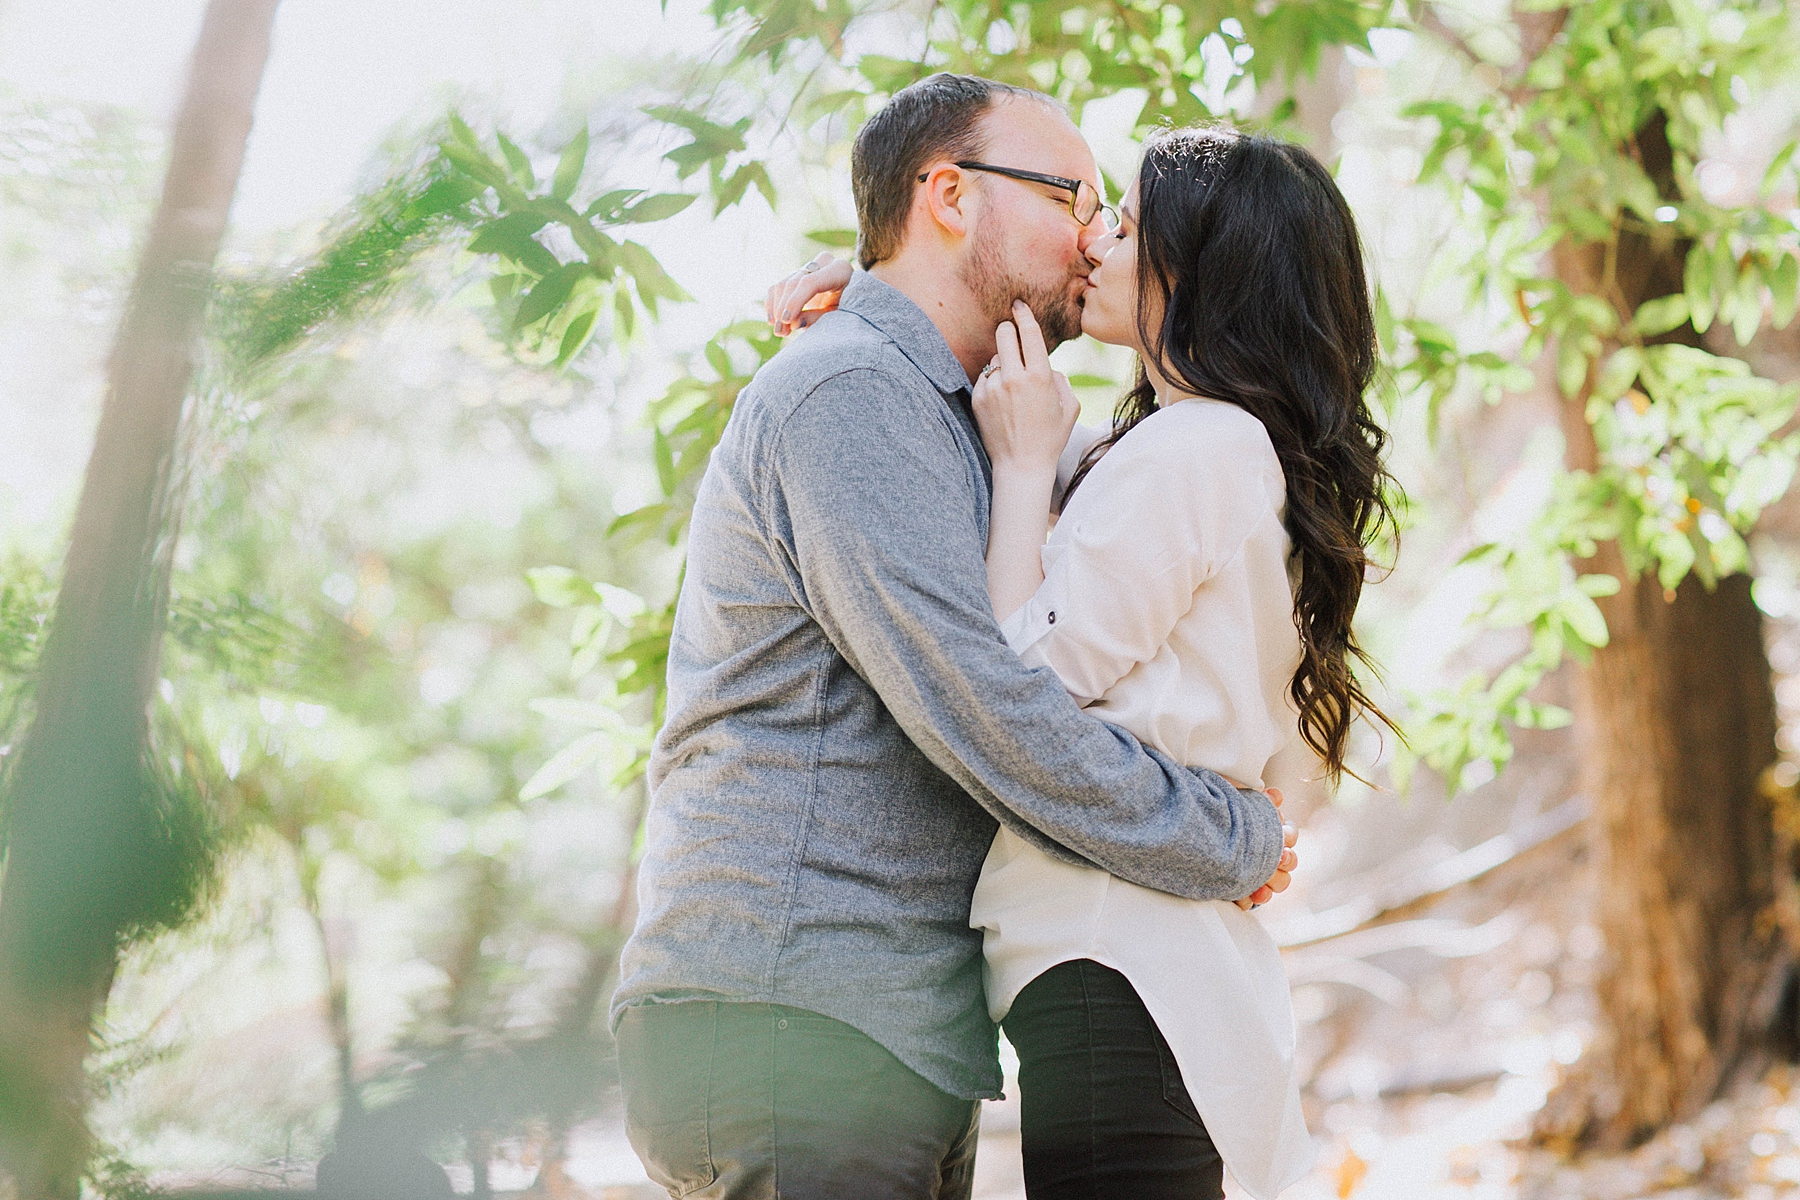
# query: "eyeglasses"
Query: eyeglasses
1084,201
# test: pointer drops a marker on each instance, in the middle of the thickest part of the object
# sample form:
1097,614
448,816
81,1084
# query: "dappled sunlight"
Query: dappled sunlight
491,286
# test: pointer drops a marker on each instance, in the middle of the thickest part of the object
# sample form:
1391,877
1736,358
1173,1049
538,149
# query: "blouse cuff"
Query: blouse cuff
1028,623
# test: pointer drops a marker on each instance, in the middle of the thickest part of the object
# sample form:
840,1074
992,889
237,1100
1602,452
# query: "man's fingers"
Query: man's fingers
1031,338
1289,834
1289,860
1275,795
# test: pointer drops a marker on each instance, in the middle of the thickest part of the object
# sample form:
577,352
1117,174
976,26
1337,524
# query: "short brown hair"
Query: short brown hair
937,117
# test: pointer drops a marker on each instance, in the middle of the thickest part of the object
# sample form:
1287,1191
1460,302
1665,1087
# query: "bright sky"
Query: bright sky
342,74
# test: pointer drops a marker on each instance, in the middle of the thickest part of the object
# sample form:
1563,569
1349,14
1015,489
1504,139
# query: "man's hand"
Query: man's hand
1278,882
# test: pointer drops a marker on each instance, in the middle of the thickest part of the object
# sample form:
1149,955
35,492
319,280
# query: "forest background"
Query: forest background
325,682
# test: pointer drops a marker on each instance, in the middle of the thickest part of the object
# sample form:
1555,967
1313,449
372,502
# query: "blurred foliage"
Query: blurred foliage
359,266
372,701
1557,155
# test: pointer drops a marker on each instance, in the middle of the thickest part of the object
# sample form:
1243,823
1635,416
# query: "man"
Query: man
801,1012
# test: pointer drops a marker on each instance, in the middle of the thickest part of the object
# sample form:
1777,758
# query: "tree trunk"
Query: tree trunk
83,832
1676,720
334,955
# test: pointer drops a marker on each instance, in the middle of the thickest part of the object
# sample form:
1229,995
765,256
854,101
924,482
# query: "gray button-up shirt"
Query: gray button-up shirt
845,724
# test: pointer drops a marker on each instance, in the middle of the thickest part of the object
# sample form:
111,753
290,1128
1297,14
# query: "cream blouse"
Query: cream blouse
1166,609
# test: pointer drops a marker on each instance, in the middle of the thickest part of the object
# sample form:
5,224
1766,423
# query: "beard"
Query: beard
995,284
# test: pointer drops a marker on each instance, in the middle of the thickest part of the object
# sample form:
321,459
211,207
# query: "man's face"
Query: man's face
1026,245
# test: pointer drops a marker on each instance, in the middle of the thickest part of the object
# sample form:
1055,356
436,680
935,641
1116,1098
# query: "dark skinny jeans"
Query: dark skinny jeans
1105,1115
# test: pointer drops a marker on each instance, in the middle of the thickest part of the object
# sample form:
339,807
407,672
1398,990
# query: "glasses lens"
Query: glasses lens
1109,215
1086,202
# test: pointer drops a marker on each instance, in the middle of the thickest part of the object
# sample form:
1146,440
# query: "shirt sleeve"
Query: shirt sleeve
880,511
1160,515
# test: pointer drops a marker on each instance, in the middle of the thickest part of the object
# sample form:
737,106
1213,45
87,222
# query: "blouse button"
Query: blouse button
1053,616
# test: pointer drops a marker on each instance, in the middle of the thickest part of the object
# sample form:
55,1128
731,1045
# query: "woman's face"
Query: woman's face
1109,310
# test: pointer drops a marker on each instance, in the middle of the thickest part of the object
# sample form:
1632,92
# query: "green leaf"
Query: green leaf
566,764
622,604
1748,317
1617,376
609,206
665,462
888,74
549,293
1583,616
511,236
1481,553
520,163
473,162
1784,284
719,359
559,587
841,239
444,195
623,314
576,335
1082,380
1697,283
1772,177
649,514
459,129
657,208
570,166
582,712
651,280
1659,316
1571,366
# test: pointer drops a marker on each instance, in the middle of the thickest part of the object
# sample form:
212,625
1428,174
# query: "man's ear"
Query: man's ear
949,199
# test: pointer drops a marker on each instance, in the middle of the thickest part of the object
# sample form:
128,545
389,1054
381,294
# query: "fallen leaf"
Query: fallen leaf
1350,1172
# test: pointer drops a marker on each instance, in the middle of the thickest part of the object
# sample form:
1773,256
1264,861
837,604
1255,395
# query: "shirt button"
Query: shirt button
1053,618
781,1024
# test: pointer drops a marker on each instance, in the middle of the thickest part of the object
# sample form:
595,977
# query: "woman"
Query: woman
1197,590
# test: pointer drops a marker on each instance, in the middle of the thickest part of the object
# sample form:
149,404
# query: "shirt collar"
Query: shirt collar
888,309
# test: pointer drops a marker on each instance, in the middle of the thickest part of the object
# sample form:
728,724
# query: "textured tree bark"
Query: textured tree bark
1676,720
79,873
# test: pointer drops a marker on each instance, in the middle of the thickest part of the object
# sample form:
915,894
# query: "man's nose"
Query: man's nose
1090,243
1092,232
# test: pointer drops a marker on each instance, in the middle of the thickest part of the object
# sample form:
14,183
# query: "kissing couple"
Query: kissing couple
925,771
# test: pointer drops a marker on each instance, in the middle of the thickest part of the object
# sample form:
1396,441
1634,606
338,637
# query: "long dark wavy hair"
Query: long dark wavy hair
1250,253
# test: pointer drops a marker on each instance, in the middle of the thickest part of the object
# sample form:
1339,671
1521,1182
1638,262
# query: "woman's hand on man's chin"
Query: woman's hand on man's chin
1024,406
795,302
